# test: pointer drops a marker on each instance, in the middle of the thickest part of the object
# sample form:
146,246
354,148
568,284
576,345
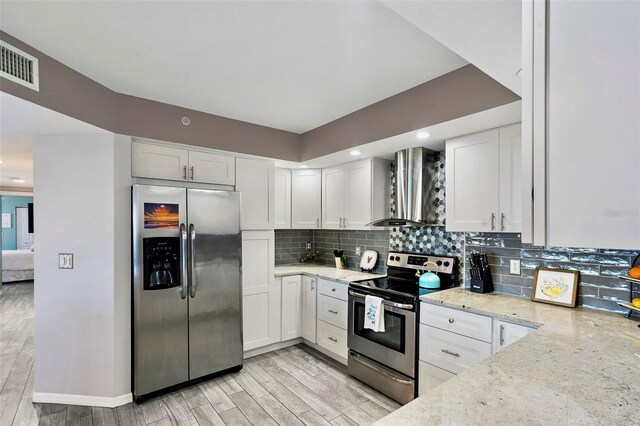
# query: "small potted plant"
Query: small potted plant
311,256
341,259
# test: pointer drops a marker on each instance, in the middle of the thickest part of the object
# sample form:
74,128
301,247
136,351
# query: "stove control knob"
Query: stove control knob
446,263
397,258
439,263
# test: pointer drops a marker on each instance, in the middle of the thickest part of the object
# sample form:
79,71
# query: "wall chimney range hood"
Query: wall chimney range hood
415,189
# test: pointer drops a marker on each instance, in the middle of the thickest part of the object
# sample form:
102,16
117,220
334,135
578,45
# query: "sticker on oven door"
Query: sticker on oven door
161,216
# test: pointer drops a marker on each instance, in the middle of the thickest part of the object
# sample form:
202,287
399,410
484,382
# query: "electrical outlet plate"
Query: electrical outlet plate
514,266
358,251
65,260
308,245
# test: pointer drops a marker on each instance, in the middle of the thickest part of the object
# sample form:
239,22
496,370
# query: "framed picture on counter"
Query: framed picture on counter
555,286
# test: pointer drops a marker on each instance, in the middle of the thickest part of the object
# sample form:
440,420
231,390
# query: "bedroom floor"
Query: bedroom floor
291,386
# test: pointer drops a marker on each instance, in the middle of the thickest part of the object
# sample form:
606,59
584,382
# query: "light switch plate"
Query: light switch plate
358,251
514,266
65,260
308,245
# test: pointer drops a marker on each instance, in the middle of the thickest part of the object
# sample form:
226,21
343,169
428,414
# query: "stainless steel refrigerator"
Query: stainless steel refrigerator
187,288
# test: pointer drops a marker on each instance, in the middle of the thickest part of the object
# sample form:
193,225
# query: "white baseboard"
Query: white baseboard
270,348
93,401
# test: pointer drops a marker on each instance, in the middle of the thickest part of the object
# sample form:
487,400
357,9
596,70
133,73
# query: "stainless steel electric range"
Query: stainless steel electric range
387,361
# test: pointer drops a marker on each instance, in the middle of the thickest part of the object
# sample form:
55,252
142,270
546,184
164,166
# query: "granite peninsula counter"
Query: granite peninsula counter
580,367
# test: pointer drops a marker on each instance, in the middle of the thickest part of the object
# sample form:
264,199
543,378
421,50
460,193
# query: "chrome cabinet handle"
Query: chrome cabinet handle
501,335
385,302
341,222
493,221
318,222
457,355
502,221
332,311
183,260
313,287
451,320
333,289
192,232
333,339
184,172
191,172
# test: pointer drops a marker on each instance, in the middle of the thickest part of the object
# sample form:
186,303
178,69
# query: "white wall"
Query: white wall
82,206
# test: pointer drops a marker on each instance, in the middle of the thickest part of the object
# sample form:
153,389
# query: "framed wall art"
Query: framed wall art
555,286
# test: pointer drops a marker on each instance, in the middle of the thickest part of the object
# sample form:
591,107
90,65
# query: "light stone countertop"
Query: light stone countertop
323,271
580,367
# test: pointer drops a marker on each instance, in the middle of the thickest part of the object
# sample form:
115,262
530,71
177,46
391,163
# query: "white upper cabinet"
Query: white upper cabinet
355,194
483,172
282,198
255,181
163,162
159,162
582,128
212,168
306,196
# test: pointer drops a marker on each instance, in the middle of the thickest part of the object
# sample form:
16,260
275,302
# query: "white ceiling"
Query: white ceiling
438,133
292,65
487,33
20,121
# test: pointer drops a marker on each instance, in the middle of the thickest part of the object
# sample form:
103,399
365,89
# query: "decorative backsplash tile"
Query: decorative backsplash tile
600,287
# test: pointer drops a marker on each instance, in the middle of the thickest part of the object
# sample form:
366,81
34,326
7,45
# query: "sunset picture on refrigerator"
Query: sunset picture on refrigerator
161,216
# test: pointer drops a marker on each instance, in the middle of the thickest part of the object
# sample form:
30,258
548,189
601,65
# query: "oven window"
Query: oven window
394,335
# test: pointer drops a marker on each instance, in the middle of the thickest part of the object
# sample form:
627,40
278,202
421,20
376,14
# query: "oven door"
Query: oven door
396,346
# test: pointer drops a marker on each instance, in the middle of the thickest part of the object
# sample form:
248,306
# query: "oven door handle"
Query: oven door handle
385,302
359,359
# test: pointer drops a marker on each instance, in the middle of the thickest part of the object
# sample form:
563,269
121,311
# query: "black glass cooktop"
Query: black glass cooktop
395,286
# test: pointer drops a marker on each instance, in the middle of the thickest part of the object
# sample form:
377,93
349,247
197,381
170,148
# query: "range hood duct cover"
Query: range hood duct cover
415,189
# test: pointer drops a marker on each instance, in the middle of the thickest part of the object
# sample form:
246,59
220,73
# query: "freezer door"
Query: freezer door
215,289
160,315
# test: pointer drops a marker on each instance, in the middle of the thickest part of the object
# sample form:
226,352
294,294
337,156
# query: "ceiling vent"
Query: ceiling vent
18,66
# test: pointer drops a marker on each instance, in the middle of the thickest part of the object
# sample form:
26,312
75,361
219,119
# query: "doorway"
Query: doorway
24,239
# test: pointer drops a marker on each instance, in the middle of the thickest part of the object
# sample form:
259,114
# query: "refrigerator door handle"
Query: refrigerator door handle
192,236
183,260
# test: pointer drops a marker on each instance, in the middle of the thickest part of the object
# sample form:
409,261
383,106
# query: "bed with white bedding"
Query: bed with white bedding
17,265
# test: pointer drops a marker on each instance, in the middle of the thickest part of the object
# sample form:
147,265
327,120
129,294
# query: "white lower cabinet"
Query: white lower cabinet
261,310
505,333
308,314
291,307
430,377
332,316
451,351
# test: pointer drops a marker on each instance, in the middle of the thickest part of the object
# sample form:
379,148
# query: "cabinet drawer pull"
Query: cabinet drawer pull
333,289
333,312
451,320
333,339
502,335
457,355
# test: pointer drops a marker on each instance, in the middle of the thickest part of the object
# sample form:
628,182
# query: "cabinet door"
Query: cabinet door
309,308
158,162
430,377
291,307
282,198
472,182
510,175
358,189
505,333
333,197
212,168
306,199
255,180
261,292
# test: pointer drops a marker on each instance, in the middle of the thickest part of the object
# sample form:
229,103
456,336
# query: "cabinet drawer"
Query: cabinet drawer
332,338
451,351
465,323
333,311
333,289
431,377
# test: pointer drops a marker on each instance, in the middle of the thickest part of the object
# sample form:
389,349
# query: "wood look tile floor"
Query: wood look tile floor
292,386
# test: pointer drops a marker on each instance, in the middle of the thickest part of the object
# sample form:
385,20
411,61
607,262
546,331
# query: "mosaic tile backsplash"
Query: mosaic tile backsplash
599,269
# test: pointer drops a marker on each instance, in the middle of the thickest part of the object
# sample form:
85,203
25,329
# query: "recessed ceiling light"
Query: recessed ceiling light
1,162
355,152
422,135
16,179
304,166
